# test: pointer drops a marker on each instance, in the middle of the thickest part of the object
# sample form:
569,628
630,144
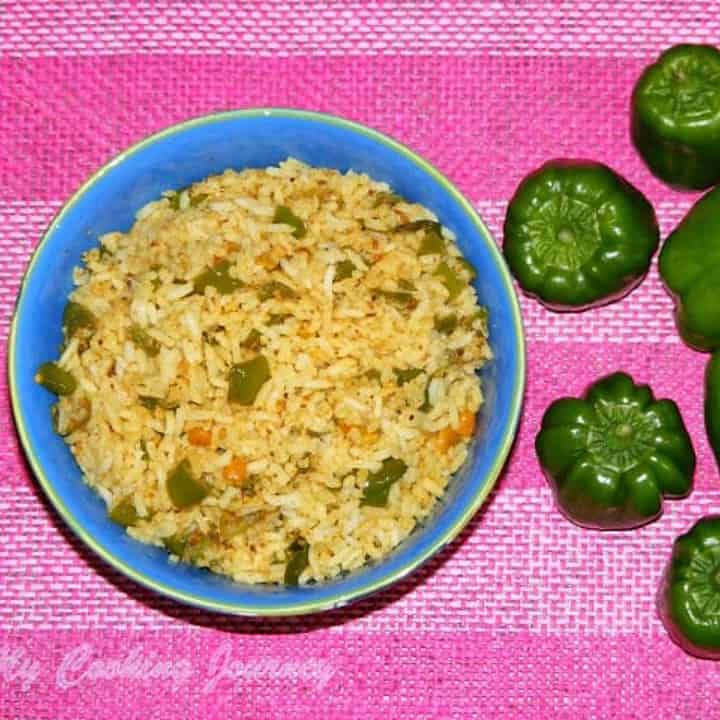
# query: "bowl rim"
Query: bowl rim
250,608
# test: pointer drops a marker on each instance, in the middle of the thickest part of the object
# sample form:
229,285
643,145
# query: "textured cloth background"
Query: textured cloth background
523,616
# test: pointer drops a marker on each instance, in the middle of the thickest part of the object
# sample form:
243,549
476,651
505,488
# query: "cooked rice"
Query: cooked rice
320,424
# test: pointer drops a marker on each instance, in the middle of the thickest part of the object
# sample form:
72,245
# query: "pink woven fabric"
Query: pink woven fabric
525,615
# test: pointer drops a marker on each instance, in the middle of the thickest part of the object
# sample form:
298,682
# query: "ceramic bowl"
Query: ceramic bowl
174,158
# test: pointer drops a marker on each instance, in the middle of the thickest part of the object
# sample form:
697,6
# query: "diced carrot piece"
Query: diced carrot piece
371,437
232,247
266,261
272,258
466,426
445,439
199,436
236,471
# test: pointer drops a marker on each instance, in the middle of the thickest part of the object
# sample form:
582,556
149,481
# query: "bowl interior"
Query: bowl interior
173,159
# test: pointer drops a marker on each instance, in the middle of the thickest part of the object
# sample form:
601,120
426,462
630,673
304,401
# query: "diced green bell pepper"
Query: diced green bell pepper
124,512
77,316
218,276
450,279
446,324
276,289
344,269
146,342
432,242
176,544
55,379
246,379
379,483
398,297
405,375
298,558
387,198
285,216
184,489
252,341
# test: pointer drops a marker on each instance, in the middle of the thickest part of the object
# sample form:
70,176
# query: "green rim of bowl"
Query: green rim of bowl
250,609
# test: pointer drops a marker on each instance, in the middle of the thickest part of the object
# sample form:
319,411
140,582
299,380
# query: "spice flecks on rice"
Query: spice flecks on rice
275,371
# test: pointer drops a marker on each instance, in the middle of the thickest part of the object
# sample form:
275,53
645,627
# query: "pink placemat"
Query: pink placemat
523,616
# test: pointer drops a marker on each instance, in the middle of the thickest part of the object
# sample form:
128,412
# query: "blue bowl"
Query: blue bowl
187,153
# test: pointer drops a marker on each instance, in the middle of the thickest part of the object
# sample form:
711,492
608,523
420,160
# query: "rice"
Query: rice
342,307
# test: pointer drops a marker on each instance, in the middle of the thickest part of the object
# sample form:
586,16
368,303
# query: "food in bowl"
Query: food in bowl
273,373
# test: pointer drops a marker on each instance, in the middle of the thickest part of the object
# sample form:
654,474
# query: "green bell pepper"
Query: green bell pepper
712,403
378,486
690,267
406,375
124,512
285,216
76,317
344,270
183,488
578,235
611,455
298,558
246,379
676,116
217,276
450,279
432,242
446,324
176,544
689,595
56,379
146,342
